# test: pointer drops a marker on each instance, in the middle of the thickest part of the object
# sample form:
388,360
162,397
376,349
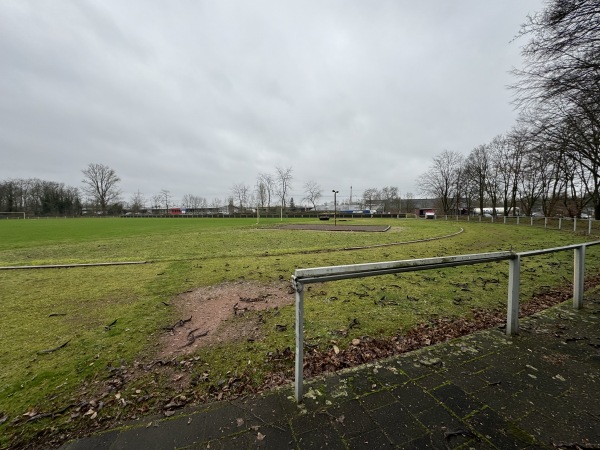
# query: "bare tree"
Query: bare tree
558,90
284,180
240,193
313,193
531,181
477,169
261,193
156,201
440,180
193,202
562,58
165,198
101,184
137,202
391,199
216,204
371,195
409,203
510,161
187,200
267,188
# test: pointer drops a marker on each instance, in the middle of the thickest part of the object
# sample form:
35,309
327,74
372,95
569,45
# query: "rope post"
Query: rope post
299,378
578,276
514,281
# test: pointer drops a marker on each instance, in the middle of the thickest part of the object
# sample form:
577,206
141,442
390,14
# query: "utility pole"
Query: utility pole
335,206
350,206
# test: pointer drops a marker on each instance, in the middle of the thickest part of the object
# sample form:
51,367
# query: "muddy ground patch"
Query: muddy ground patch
207,315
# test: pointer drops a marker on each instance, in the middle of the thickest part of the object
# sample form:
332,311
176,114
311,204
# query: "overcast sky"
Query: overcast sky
196,96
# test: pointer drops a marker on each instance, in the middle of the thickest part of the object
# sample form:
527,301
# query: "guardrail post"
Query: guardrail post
545,222
578,276
589,226
560,223
299,378
514,287
531,221
574,224
518,220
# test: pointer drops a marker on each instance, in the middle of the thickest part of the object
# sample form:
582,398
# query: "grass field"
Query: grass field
43,309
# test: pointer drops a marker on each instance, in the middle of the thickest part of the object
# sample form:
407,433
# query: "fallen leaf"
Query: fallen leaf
355,341
260,436
239,421
336,349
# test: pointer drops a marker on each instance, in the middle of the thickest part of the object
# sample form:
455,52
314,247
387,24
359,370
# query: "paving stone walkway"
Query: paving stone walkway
540,389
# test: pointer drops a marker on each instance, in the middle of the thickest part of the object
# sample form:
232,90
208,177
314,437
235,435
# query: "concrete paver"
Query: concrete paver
540,389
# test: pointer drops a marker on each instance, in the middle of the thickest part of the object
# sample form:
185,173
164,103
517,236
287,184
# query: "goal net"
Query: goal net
11,215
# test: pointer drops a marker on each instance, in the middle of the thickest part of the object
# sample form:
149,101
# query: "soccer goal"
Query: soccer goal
11,215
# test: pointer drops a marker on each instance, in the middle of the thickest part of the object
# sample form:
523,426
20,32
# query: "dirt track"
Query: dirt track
339,227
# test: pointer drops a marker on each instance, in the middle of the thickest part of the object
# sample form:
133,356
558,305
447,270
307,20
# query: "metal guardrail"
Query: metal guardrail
579,225
332,273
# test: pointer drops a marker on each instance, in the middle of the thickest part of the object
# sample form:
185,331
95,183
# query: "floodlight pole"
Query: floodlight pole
335,206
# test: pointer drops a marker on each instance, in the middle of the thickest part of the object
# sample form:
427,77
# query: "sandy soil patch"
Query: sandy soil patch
209,315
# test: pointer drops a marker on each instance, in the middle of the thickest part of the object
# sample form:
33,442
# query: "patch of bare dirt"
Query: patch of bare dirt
209,315
332,227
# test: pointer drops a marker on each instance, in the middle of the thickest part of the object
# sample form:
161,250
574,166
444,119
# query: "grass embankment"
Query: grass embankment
44,309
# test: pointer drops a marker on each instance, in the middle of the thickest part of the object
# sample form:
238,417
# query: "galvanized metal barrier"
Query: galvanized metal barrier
578,224
333,273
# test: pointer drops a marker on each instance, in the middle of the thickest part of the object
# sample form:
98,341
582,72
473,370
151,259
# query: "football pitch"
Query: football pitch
207,310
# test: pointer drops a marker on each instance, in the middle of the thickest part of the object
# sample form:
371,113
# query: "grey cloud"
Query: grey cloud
197,96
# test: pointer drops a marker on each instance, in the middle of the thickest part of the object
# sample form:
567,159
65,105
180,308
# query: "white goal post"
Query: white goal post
7,213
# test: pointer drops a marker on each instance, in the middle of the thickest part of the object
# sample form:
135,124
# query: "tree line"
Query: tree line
39,197
100,193
551,157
